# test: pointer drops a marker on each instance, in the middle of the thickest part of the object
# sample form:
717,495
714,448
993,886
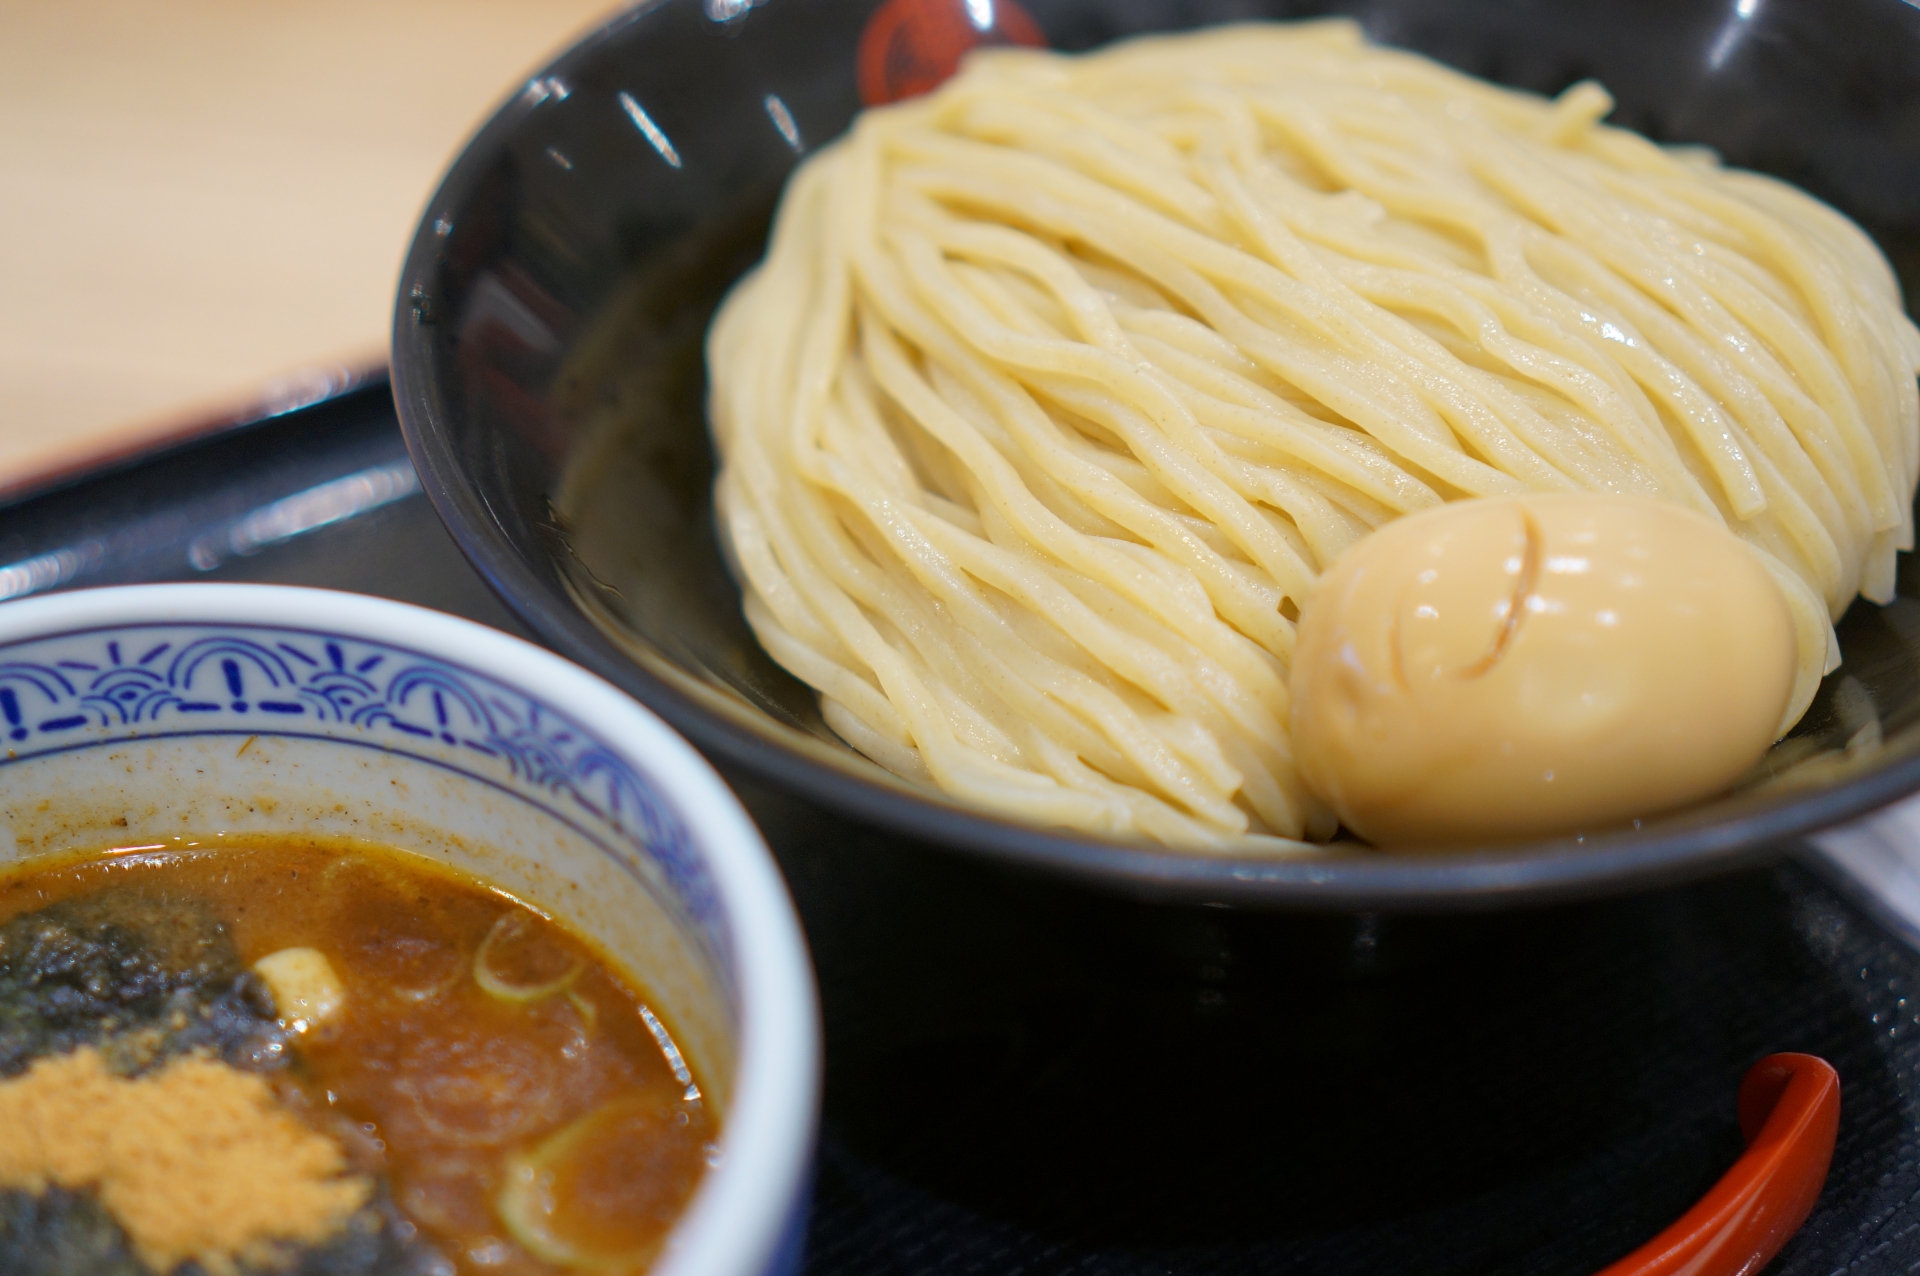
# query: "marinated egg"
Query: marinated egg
1517,666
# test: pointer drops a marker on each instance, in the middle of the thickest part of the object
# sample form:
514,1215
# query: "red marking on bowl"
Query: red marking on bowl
910,47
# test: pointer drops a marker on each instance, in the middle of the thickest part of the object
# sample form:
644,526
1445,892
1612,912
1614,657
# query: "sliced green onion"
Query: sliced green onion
525,1206
495,986
526,1202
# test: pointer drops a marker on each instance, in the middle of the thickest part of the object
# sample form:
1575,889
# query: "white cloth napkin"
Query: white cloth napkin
1876,860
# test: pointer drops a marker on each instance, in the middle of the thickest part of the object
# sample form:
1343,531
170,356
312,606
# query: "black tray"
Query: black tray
1022,1078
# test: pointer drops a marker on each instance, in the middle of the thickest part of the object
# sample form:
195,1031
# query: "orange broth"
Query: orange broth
444,1087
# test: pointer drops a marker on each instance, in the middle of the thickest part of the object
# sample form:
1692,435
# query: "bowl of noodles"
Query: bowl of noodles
1000,467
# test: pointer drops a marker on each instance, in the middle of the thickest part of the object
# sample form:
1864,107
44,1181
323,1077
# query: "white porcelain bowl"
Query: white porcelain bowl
208,711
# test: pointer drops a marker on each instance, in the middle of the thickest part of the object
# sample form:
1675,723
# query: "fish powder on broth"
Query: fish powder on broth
195,1161
1060,387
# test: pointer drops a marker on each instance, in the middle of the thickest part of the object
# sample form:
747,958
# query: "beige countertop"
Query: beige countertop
203,197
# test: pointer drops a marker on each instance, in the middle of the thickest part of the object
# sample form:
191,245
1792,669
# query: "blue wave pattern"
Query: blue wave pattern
158,680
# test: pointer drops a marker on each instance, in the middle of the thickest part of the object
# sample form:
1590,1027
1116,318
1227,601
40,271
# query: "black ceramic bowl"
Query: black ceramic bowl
547,363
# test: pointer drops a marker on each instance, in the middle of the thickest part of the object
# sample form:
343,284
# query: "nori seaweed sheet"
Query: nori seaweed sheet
141,978
63,1233
145,979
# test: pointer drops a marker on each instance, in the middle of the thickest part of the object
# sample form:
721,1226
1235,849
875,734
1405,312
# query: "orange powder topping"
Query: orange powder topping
195,1160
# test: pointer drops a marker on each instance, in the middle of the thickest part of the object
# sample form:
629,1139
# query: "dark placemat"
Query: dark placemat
1027,1079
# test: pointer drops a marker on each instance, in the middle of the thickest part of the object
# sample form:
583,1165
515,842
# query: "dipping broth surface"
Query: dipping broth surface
514,1101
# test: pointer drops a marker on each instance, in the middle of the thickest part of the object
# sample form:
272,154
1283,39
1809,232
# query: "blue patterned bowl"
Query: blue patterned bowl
212,711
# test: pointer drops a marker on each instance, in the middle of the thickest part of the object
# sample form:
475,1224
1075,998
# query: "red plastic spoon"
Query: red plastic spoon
1789,1115
909,46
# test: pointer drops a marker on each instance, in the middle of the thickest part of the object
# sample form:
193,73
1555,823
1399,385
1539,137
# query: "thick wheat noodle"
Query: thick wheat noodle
1058,389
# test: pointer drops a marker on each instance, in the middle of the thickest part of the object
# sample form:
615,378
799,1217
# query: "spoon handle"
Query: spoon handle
1789,1115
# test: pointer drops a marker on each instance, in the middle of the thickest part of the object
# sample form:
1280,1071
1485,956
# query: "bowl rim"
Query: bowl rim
741,1216
1532,872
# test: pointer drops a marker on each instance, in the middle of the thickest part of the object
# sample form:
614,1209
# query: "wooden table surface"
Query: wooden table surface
202,198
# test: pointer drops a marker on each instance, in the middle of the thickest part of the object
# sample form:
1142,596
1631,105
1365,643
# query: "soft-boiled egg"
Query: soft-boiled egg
1519,666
